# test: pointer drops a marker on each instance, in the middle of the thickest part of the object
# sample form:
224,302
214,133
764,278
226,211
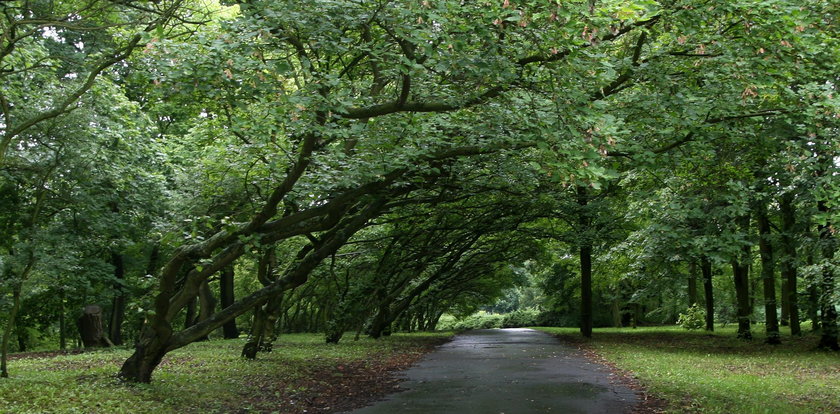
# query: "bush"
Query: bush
694,318
520,319
480,320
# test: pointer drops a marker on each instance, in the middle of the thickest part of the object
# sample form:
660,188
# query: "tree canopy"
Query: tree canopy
370,165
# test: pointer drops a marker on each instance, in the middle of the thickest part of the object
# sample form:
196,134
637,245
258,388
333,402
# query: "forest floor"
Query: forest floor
696,371
302,375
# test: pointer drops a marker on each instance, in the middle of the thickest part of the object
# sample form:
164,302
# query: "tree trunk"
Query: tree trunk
207,304
118,304
62,323
148,352
585,254
706,269
768,276
226,296
829,336
90,328
252,345
788,262
7,333
784,300
813,300
741,275
380,322
692,283
189,317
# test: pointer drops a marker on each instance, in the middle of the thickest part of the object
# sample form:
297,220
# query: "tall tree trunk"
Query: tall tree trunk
62,323
692,283
829,336
813,300
118,304
207,304
706,269
784,300
741,275
788,262
7,333
226,296
768,276
585,255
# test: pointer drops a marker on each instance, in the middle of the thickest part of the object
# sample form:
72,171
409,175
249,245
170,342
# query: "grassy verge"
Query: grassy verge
303,374
717,373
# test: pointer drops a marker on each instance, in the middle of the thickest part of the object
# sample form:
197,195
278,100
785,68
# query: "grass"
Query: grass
204,377
717,373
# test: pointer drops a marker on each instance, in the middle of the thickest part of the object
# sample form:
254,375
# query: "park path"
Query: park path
506,371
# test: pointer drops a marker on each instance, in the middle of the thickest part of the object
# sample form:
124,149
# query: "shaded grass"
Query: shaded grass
696,371
204,377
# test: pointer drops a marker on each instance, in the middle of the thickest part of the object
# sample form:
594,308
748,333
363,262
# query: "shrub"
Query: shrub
694,318
520,318
480,320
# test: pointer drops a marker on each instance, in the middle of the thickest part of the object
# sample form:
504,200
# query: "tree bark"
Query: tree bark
692,283
741,275
118,304
706,270
227,298
813,300
207,304
7,333
62,323
90,328
585,255
768,276
829,335
788,262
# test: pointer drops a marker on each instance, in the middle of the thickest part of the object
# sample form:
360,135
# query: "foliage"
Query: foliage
520,318
479,320
693,318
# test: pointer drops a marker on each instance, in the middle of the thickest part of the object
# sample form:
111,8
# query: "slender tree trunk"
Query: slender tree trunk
829,336
692,283
226,296
62,323
741,275
7,333
788,262
706,270
813,300
585,254
784,300
768,276
118,304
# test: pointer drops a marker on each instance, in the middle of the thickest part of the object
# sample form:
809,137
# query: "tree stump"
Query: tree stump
90,328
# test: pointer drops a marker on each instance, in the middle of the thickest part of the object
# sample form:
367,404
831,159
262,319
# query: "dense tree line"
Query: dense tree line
367,166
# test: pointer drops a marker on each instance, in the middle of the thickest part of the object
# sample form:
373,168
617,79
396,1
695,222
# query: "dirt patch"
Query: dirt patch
333,388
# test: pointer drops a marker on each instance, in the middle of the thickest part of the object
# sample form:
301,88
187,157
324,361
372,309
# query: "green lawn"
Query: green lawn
717,373
210,377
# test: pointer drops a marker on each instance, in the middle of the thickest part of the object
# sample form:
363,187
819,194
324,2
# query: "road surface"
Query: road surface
506,371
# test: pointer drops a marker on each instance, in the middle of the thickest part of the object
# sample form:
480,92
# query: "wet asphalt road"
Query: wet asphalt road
506,371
